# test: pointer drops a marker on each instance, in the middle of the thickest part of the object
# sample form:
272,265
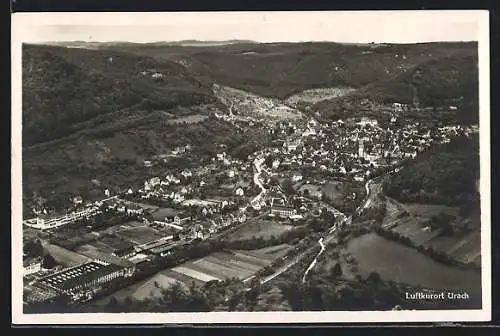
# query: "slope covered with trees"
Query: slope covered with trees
436,84
63,87
447,174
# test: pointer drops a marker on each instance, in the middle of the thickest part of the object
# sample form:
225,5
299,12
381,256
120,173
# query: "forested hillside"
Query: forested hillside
282,69
447,174
65,86
437,83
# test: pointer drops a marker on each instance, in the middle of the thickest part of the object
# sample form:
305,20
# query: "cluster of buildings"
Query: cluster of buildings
46,222
352,149
82,282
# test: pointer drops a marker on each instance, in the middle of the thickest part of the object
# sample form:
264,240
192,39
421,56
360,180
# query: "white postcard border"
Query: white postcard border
20,28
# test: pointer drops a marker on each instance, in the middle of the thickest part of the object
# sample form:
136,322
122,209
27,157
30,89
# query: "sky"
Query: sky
353,27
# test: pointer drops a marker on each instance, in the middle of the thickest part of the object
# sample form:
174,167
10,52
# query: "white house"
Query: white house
239,191
78,200
32,266
186,173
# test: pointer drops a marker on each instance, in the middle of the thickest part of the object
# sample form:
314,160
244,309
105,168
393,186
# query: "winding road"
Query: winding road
256,179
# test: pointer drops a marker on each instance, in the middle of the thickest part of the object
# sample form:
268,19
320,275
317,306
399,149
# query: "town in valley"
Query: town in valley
181,187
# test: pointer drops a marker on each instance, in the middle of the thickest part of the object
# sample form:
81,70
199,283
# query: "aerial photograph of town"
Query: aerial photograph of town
245,176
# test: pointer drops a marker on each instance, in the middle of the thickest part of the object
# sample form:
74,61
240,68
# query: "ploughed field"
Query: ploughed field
396,262
216,266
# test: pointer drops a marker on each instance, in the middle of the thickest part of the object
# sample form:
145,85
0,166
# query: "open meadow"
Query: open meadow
260,228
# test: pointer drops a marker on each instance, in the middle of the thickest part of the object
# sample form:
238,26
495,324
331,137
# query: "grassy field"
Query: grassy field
429,210
66,257
399,263
273,252
161,213
30,233
259,228
334,190
140,235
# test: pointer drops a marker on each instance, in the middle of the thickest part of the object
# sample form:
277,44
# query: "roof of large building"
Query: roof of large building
72,277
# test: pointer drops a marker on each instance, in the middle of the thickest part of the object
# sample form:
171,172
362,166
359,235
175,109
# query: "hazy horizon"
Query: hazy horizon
395,27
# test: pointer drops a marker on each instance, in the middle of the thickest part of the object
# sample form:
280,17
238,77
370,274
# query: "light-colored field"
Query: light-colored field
220,269
194,274
153,287
414,229
399,263
64,256
316,95
277,251
259,228
196,202
216,266
195,118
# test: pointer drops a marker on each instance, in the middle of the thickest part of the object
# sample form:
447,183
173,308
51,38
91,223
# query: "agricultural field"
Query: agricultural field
259,228
466,248
399,263
462,246
316,95
272,252
153,287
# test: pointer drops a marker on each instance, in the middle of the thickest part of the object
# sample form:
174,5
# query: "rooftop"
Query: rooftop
72,277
